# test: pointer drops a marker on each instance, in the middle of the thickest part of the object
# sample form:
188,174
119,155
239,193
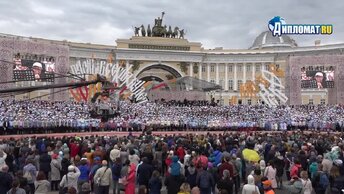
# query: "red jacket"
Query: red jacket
226,166
294,170
180,153
74,149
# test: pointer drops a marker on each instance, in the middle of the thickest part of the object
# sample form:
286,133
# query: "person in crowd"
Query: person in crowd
23,183
191,176
44,163
296,169
5,179
85,188
71,178
195,190
144,172
225,183
55,175
42,185
115,153
71,190
313,167
84,172
250,187
131,179
133,157
270,173
142,189
155,183
94,168
205,181
295,185
116,174
320,181
184,189
30,173
16,188
103,178
122,181
280,165
267,185
306,183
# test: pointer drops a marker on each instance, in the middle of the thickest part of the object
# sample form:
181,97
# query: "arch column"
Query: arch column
200,71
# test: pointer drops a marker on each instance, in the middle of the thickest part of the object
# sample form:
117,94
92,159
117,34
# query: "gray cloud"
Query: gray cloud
220,23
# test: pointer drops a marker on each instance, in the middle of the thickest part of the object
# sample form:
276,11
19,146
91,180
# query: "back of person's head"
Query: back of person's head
185,188
297,161
155,173
225,174
142,189
19,173
223,191
145,160
195,190
71,190
86,187
104,163
41,176
304,174
4,168
257,172
264,178
15,185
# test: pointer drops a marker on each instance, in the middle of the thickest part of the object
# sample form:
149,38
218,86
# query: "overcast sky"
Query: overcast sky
215,23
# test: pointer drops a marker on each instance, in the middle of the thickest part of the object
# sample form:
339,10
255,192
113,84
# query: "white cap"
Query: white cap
71,168
37,64
319,74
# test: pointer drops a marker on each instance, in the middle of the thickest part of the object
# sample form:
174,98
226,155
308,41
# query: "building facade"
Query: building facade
162,59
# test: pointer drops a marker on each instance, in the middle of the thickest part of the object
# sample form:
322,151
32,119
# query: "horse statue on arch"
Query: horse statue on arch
169,32
175,33
136,31
143,30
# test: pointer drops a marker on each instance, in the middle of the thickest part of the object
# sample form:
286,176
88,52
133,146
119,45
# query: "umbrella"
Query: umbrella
250,155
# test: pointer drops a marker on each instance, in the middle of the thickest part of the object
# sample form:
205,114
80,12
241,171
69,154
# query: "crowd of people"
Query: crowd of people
42,116
180,164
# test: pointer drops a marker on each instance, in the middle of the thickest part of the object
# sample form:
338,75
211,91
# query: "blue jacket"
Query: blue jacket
217,157
175,166
84,172
155,185
116,171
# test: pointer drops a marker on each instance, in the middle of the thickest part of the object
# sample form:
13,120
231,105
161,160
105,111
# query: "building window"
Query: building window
267,67
221,84
239,68
322,101
212,81
239,84
212,68
230,68
310,101
249,101
257,68
203,68
230,84
248,68
221,68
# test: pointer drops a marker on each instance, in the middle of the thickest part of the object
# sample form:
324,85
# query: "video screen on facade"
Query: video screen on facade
317,77
33,68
